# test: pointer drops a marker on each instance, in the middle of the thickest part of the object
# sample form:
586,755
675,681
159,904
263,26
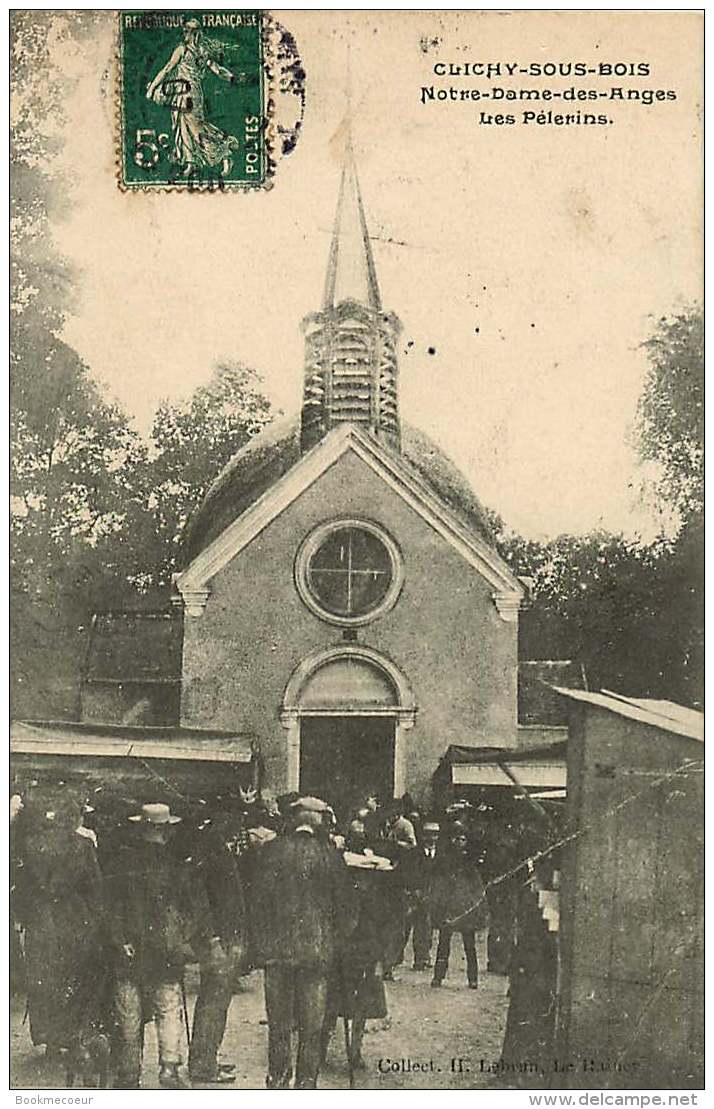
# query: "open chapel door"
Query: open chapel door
342,758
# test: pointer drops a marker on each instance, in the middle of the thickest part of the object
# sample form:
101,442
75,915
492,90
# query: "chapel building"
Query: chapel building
341,608
342,598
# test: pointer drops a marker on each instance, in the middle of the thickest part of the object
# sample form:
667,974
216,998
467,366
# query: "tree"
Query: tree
628,611
190,442
73,452
670,426
595,597
670,433
97,513
631,612
74,459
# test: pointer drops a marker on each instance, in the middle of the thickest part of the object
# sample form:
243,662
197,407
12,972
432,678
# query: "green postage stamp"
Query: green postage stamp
192,99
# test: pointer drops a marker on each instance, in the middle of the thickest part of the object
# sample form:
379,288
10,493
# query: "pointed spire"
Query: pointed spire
351,367
351,274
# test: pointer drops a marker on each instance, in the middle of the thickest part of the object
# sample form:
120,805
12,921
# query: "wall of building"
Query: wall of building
444,632
632,906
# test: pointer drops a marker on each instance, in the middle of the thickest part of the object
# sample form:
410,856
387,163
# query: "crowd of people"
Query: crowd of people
110,914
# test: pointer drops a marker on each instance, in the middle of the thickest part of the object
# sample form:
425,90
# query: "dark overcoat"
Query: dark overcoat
356,987
158,905
58,900
458,896
419,871
219,869
299,902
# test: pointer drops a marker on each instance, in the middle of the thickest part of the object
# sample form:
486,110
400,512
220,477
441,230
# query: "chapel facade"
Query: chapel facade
342,601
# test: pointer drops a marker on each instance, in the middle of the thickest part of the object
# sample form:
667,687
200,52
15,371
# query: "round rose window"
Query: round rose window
348,572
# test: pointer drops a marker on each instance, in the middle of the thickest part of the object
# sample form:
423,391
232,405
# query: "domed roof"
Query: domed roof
269,455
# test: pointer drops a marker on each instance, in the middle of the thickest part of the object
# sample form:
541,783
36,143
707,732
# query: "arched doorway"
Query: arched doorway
346,710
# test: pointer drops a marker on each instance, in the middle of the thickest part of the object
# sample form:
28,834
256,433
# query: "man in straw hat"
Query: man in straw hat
296,910
159,921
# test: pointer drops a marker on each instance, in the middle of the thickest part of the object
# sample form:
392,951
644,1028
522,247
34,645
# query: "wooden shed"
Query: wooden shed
631,957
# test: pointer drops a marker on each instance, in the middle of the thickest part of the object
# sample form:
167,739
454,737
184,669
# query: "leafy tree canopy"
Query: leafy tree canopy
670,426
190,442
630,612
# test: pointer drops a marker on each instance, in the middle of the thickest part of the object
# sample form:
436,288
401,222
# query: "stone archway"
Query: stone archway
349,683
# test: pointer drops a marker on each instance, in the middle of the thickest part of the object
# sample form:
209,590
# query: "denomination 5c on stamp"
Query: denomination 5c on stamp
192,99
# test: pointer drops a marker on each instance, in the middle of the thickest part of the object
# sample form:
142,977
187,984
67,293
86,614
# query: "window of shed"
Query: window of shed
349,572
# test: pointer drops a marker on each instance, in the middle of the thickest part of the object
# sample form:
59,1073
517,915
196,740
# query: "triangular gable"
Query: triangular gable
193,582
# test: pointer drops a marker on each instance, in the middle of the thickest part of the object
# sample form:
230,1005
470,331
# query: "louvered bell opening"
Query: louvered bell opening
354,381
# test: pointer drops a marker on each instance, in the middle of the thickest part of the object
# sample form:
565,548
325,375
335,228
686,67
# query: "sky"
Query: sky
527,263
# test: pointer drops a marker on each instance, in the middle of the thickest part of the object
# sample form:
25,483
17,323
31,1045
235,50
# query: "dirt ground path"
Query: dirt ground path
427,1030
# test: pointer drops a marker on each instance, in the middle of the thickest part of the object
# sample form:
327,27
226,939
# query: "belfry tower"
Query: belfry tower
351,367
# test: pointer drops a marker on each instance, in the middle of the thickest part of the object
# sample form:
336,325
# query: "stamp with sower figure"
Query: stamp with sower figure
192,100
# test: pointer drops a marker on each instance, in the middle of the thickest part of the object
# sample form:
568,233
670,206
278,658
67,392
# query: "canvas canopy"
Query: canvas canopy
38,738
541,768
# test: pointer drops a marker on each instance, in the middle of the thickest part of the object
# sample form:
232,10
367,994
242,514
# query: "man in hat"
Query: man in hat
372,817
458,904
58,902
399,842
159,920
399,830
217,862
296,907
419,871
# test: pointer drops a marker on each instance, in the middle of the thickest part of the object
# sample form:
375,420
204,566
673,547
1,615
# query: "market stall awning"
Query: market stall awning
51,738
542,768
531,775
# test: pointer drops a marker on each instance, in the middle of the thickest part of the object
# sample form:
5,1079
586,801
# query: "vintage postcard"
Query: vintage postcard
356,551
